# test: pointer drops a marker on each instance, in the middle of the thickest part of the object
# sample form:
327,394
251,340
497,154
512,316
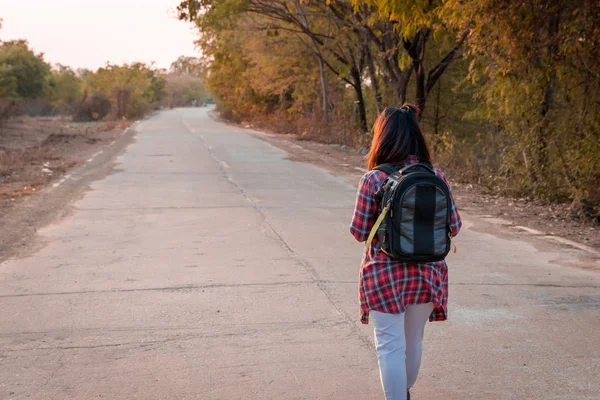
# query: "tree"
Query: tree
23,74
536,66
305,24
184,90
185,65
131,88
402,31
64,88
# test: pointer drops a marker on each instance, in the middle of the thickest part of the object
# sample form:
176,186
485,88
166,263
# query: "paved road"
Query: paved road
207,266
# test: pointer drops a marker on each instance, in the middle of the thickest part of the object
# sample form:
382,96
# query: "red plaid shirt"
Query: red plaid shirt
387,285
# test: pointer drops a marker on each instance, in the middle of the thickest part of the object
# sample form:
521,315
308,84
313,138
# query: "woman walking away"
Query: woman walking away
406,215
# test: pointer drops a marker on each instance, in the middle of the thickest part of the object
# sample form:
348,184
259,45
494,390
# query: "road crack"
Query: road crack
161,289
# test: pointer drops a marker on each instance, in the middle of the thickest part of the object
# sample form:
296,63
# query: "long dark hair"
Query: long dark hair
397,135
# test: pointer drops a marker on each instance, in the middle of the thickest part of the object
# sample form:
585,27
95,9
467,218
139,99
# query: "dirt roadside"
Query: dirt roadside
544,221
36,151
45,165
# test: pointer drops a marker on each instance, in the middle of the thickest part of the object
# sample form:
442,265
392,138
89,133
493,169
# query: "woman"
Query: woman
400,296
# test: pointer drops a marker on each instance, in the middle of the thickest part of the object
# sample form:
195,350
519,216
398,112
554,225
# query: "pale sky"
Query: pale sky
88,33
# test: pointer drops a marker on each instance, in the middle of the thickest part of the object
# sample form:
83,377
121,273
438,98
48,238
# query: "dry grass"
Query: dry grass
311,127
22,171
16,160
34,151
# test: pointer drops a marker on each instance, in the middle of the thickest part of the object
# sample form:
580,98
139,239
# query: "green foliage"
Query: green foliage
531,64
28,85
132,89
184,91
23,74
8,83
64,89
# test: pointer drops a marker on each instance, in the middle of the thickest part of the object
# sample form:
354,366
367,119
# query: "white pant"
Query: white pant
399,338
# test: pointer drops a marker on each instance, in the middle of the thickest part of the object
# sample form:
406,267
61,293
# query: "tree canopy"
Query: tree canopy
23,74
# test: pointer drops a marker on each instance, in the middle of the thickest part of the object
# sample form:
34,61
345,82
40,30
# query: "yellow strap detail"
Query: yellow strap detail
452,245
376,226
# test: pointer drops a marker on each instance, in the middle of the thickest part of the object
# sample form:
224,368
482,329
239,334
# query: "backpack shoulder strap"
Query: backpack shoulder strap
387,168
376,226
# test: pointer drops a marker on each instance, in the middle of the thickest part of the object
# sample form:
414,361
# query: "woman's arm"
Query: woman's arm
455,221
365,211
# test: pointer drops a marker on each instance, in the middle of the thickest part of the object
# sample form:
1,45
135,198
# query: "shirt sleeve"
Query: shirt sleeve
365,211
455,220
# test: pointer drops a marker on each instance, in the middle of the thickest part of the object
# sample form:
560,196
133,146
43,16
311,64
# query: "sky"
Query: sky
90,33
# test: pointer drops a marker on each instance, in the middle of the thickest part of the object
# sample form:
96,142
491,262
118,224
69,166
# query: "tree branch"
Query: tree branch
438,70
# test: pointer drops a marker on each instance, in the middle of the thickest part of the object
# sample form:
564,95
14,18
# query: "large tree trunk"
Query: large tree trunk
416,51
360,101
373,77
436,113
420,96
541,140
325,96
402,92
399,79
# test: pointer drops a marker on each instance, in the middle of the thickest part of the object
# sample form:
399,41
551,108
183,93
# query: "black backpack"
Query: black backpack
414,214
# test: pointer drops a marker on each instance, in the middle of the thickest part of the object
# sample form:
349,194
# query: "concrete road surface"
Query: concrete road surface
207,266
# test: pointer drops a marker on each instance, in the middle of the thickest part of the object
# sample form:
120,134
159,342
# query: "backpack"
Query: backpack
414,214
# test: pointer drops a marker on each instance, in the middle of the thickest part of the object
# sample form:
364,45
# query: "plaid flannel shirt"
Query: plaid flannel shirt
387,285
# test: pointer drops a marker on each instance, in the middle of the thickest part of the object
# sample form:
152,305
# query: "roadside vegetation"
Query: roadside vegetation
30,86
509,91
